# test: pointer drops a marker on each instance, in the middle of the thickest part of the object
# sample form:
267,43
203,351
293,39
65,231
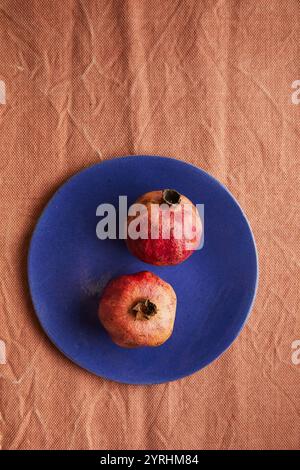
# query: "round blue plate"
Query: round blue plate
69,266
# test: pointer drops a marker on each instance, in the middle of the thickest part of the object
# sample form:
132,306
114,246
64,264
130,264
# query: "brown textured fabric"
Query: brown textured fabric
205,81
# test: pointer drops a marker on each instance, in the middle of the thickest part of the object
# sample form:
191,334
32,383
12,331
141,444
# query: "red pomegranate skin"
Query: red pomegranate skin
127,326
160,251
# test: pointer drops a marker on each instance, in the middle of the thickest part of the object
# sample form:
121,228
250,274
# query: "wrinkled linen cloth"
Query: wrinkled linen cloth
208,82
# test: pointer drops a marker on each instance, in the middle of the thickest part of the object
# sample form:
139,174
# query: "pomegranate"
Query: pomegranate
172,225
138,310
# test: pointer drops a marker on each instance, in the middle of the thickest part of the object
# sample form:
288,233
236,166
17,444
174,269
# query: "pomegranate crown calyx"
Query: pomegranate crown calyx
171,197
144,309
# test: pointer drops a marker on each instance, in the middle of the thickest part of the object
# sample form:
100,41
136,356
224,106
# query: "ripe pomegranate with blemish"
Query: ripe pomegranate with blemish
173,228
138,310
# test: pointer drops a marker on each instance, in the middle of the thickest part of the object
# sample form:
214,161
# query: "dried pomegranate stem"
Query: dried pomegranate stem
171,197
144,309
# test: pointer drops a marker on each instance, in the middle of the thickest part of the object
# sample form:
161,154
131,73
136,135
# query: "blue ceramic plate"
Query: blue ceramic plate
69,266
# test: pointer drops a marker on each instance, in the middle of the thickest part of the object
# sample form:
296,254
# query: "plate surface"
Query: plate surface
68,266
